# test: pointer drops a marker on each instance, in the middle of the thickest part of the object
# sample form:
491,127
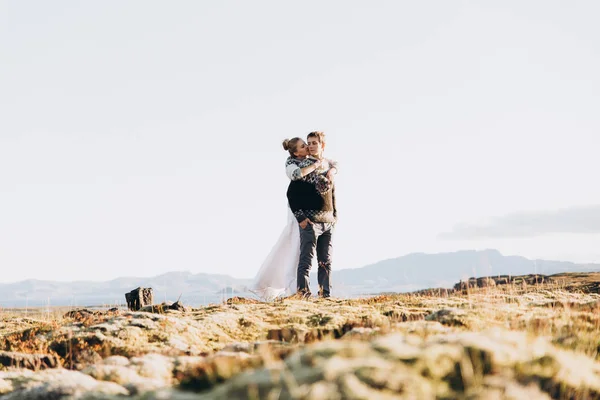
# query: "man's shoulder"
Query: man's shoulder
326,159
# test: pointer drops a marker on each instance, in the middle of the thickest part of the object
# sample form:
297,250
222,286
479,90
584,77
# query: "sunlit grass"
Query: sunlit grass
563,312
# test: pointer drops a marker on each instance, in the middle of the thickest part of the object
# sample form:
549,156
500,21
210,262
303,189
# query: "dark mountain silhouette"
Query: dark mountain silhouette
420,271
403,274
199,288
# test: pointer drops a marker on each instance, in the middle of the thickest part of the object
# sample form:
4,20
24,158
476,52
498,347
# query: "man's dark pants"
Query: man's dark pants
316,237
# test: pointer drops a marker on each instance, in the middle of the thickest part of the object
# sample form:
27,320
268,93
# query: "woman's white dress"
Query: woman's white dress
277,275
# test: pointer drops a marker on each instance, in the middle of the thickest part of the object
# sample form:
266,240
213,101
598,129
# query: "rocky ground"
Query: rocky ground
528,337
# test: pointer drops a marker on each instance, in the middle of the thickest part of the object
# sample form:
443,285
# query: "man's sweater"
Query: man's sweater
311,196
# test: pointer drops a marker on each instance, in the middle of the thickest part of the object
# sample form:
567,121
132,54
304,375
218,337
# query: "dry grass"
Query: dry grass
562,311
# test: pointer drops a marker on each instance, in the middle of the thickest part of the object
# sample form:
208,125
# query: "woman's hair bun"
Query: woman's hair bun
286,144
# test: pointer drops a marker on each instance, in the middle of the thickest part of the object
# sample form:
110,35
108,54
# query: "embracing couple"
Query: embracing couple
312,216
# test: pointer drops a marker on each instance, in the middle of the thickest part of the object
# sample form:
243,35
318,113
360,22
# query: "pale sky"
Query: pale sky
142,137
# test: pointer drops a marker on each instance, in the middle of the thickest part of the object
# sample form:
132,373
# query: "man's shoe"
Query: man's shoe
303,295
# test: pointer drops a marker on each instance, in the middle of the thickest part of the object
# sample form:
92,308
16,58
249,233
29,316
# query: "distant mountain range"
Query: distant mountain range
421,271
193,288
403,274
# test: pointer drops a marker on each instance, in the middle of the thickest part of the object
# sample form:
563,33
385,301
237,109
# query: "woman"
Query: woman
277,275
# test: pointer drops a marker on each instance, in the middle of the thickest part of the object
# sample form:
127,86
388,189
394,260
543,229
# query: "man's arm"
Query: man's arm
333,169
332,163
334,203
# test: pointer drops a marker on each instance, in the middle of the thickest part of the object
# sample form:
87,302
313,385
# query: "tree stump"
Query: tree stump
139,298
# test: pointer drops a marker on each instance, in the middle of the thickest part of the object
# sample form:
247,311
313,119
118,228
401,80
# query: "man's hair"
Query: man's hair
317,134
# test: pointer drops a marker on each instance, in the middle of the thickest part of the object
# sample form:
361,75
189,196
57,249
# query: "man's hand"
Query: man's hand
305,223
331,174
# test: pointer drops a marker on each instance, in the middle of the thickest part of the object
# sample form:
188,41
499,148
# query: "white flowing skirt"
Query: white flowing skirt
277,275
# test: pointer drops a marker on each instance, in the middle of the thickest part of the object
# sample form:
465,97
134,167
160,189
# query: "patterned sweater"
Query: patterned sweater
311,196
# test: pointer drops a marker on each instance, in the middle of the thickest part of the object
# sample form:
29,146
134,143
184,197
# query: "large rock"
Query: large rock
475,283
138,298
496,364
55,384
29,361
165,307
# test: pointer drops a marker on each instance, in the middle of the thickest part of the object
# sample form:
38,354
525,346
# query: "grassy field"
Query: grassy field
529,337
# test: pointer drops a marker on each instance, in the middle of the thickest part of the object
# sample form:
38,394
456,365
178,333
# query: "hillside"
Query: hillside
194,288
533,336
419,270
403,274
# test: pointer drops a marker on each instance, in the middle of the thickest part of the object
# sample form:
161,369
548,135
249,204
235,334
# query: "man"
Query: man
312,200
